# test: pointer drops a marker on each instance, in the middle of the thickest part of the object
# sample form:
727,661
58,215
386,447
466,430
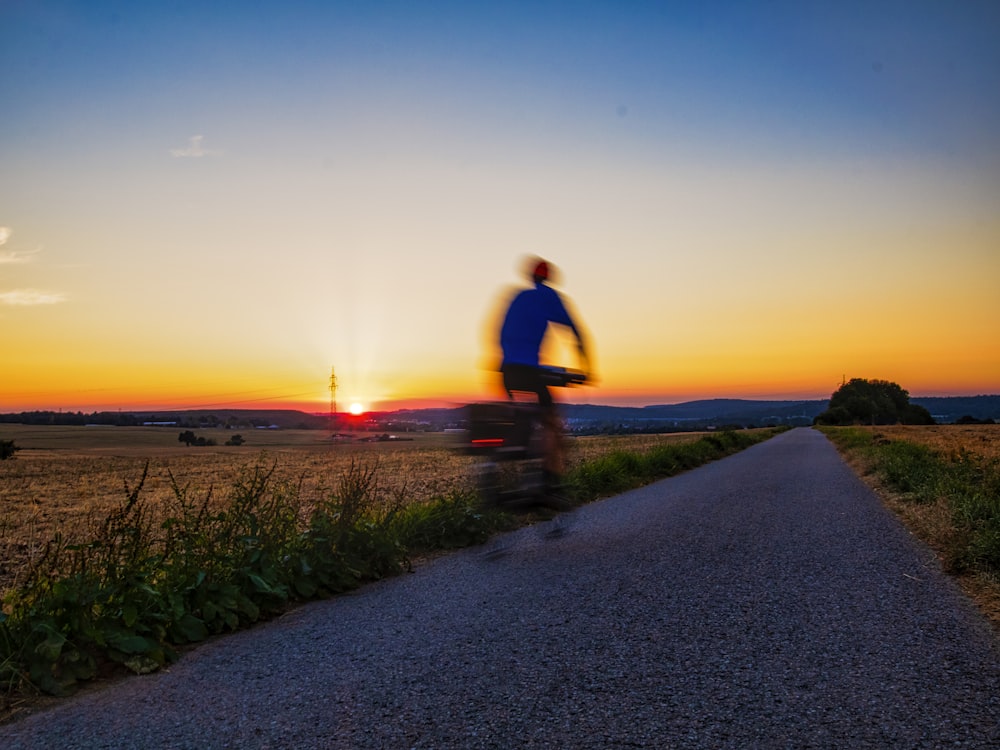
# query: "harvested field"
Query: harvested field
949,439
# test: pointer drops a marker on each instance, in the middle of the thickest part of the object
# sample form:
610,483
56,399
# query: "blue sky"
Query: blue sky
725,185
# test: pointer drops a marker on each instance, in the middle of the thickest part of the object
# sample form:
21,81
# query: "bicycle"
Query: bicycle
507,439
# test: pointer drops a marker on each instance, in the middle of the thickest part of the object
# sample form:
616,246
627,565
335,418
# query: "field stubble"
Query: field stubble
950,439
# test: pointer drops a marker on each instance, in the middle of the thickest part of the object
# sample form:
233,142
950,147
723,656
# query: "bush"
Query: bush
7,449
838,415
969,419
188,438
916,414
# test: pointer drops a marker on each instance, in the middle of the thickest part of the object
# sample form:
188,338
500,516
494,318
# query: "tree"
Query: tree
861,401
187,437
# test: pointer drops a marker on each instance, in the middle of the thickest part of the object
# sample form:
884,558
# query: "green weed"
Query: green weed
621,471
457,520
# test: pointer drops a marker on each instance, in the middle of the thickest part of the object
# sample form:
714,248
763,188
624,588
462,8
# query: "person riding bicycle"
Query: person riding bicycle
524,327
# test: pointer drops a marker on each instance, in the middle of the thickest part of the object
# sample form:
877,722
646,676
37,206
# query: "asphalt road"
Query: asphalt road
763,601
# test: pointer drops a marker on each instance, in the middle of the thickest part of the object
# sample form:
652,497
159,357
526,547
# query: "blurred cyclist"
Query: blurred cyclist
524,328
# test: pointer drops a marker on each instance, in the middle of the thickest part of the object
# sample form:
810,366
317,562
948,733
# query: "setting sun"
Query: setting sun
356,408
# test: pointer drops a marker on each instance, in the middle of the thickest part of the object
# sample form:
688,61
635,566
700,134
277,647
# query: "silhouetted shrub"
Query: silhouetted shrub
916,414
969,419
7,449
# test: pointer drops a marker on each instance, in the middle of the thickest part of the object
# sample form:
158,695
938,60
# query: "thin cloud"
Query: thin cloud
30,297
12,256
194,149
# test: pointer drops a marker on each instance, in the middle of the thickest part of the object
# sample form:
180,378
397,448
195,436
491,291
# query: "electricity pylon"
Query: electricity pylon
333,400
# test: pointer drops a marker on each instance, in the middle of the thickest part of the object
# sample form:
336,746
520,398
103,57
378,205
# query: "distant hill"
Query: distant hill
682,416
711,411
721,408
723,411
947,409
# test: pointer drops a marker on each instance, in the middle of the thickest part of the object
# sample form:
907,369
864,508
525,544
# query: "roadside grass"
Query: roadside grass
948,496
149,580
619,471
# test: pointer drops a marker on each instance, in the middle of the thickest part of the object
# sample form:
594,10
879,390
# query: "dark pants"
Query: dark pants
526,379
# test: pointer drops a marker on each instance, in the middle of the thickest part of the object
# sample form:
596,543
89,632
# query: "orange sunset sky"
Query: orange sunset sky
211,205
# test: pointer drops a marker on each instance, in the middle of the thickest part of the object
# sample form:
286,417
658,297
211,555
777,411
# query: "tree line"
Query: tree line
130,419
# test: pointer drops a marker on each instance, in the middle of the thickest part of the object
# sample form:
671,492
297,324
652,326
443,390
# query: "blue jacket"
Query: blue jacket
527,319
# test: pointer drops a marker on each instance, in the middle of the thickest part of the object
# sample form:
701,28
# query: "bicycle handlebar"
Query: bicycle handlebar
562,376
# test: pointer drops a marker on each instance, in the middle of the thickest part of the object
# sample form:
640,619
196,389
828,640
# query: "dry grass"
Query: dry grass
65,479
950,439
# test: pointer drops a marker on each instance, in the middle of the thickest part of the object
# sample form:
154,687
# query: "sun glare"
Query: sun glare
356,408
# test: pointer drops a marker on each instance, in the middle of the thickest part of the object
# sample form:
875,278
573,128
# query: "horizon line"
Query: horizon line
418,404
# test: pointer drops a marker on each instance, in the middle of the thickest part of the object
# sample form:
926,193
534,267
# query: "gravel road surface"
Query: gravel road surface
763,601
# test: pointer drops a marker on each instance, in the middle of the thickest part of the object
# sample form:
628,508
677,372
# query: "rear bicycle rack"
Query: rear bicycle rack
501,430
505,433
